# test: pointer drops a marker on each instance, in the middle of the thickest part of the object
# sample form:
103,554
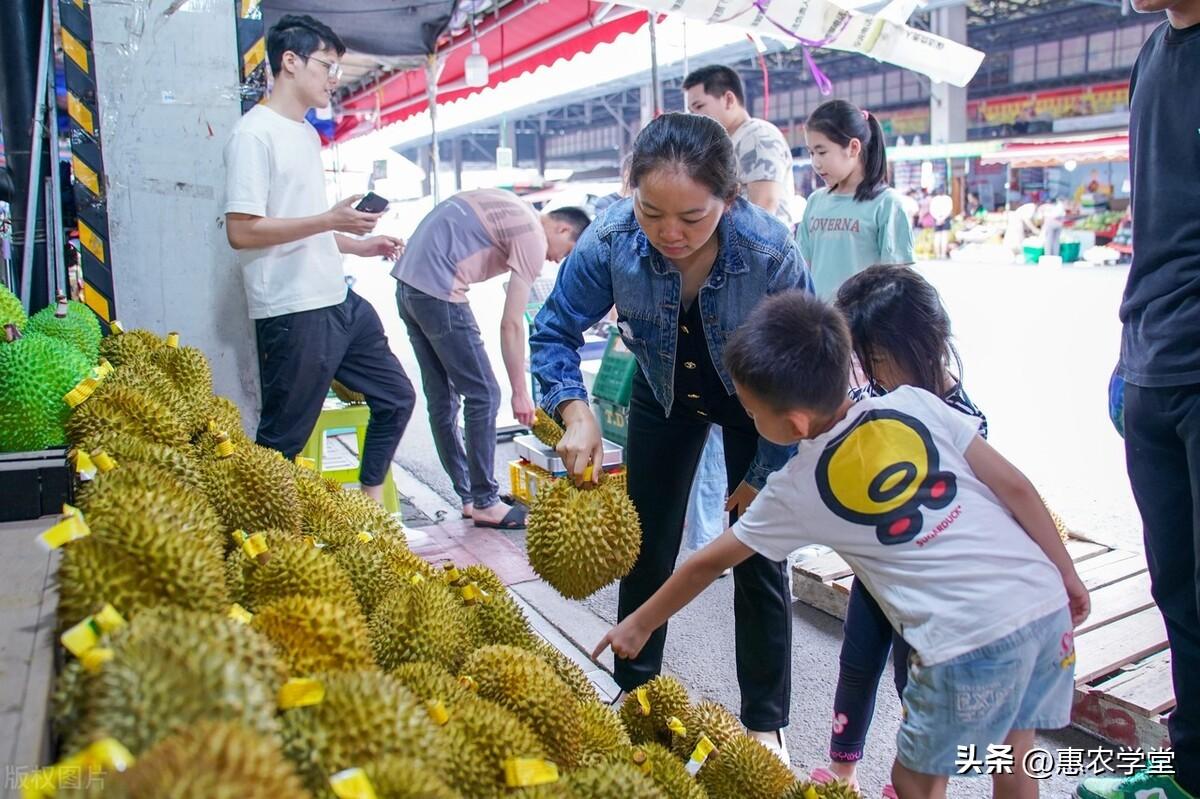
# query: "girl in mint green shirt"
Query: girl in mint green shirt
857,220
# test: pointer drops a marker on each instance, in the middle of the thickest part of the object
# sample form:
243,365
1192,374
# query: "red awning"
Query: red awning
529,34
1052,152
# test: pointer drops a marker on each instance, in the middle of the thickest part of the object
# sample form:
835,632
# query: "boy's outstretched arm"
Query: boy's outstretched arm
1022,500
628,637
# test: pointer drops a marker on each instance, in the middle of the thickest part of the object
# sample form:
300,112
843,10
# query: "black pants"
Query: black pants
1162,452
661,459
300,354
867,638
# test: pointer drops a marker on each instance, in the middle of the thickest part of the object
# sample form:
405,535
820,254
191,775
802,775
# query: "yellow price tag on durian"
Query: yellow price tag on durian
108,754
704,748
468,682
472,593
299,692
94,659
642,761
437,712
451,573
676,726
643,700
104,462
254,545
239,613
83,464
525,772
173,340
108,619
365,537
306,463
71,528
82,390
810,792
81,637
352,783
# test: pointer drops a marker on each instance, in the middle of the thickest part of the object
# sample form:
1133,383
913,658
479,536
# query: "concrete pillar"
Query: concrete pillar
539,140
948,104
172,266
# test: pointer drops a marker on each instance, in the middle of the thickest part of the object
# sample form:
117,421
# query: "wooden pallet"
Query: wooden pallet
1123,669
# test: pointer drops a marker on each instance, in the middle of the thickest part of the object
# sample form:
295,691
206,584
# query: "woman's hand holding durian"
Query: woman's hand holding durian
581,444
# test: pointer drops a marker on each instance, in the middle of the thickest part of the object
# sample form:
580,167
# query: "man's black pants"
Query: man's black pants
300,354
1162,451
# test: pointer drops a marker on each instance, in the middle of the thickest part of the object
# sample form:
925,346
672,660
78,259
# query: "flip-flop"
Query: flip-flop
513,520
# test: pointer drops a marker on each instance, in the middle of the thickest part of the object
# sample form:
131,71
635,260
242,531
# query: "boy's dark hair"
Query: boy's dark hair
894,312
577,218
840,121
693,143
793,353
301,34
717,80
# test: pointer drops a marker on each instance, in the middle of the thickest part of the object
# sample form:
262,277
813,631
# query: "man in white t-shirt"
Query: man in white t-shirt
951,539
763,156
310,328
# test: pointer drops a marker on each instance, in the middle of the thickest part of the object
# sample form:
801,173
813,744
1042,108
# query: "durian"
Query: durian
581,539
604,738
210,760
316,635
567,670
479,736
149,552
407,778
133,449
666,770
123,410
548,431
525,684
366,515
709,719
121,345
253,488
70,322
36,372
744,768
421,620
138,487
837,789
368,565
145,377
187,368
431,682
347,394
12,312
364,716
172,668
290,567
646,721
612,781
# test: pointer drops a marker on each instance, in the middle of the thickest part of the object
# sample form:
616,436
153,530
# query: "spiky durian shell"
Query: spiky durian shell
421,620
604,737
120,347
478,738
253,488
582,539
667,698
122,410
743,768
611,781
710,719
407,778
292,567
316,634
666,770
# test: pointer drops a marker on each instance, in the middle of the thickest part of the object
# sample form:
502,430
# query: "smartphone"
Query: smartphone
371,203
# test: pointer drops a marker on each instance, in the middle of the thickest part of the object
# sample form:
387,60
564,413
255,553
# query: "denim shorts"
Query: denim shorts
1024,681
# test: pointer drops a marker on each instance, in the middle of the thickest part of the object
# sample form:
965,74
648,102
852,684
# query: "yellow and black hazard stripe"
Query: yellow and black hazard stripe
86,157
252,47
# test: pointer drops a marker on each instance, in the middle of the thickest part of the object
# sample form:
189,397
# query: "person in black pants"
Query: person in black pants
310,327
685,261
1160,364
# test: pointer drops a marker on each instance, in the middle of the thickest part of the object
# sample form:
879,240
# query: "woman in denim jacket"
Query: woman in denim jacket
685,262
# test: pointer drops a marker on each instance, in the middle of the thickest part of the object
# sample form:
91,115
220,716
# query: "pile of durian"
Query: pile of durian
234,626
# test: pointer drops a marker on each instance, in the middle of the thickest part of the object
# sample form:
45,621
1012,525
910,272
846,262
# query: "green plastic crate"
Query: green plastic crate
614,420
614,381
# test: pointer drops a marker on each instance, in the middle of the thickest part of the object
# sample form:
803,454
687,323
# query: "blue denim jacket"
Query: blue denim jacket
614,264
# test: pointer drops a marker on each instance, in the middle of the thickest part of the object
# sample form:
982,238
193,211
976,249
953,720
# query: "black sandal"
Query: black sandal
513,520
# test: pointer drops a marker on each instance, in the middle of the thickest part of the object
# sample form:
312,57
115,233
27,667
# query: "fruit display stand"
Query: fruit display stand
28,602
1123,668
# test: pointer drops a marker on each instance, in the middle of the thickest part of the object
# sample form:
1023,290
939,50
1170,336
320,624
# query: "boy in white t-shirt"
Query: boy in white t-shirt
310,328
951,539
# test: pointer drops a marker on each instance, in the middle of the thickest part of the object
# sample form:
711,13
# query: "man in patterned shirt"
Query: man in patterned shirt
764,158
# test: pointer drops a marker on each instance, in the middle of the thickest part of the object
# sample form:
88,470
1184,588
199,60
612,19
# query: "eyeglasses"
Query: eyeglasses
334,70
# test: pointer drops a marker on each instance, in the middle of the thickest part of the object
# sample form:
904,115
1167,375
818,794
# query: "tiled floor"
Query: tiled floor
460,542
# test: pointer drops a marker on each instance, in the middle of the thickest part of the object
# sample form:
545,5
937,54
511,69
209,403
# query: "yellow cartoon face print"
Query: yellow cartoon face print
882,471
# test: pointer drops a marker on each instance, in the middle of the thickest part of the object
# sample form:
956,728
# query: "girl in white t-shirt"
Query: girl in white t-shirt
901,336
